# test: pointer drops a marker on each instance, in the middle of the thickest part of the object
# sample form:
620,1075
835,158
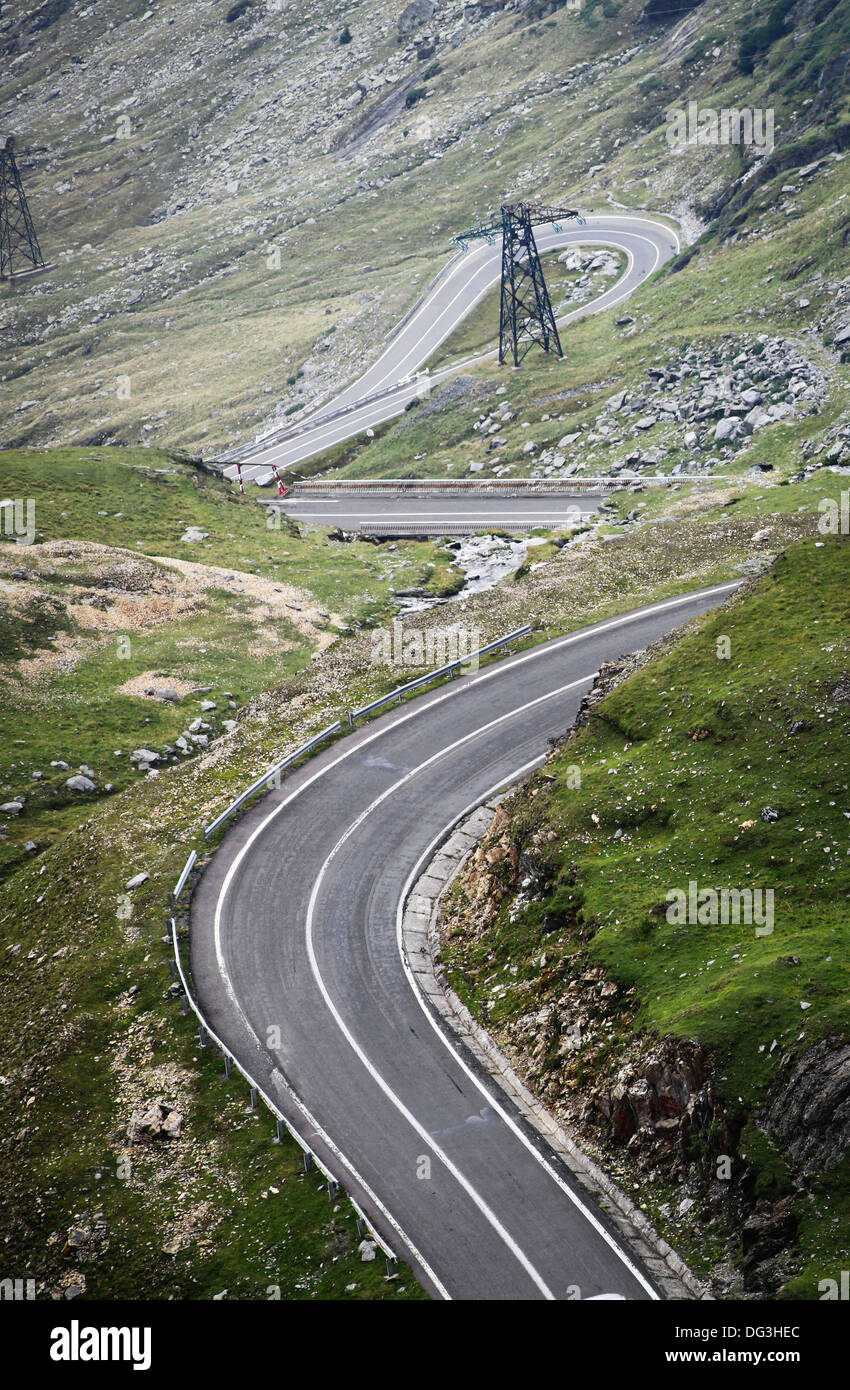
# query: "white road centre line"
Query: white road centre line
440,1153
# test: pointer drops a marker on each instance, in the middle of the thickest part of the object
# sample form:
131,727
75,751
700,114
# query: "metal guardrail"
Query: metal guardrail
412,487
400,691
207,1035
184,878
427,487
267,777
313,421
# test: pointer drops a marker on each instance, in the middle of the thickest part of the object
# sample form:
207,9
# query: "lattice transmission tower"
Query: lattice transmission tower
525,314
20,253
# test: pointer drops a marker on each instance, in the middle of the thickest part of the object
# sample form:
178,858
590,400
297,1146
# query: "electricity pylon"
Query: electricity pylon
525,315
20,253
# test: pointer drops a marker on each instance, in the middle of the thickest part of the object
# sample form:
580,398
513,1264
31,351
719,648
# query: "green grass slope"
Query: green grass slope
90,622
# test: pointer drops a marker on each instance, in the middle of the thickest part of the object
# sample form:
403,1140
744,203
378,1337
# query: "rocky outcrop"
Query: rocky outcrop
810,1112
154,1122
666,1093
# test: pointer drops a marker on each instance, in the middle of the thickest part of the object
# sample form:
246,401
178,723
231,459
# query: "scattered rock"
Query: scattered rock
144,756
80,784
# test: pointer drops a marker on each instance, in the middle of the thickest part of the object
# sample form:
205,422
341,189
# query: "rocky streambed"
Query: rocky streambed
485,561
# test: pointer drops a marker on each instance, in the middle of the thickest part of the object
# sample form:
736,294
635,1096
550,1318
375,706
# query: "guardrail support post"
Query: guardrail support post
184,1004
228,1064
392,1266
281,1131
172,969
361,1227
308,1160
254,1097
202,1036
333,1188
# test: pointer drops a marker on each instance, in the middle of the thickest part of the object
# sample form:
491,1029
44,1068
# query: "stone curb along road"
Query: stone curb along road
422,944
647,242
298,962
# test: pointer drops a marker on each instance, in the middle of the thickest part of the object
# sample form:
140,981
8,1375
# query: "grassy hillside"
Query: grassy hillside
154,603
726,771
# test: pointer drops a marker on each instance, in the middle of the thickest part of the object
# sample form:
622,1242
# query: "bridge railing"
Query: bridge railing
412,487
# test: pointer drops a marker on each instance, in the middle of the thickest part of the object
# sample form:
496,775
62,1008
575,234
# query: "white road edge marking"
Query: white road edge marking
416,710
506,1116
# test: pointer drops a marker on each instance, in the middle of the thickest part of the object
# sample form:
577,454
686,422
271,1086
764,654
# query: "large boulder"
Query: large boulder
728,428
757,418
153,1122
416,13
79,783
144,756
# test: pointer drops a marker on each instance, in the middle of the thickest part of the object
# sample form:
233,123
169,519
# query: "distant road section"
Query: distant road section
430,516
386,387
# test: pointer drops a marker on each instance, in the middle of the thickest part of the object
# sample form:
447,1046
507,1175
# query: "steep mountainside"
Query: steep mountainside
242,199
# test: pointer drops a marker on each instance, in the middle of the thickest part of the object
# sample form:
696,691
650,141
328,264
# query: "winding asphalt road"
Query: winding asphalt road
646,242
297,958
